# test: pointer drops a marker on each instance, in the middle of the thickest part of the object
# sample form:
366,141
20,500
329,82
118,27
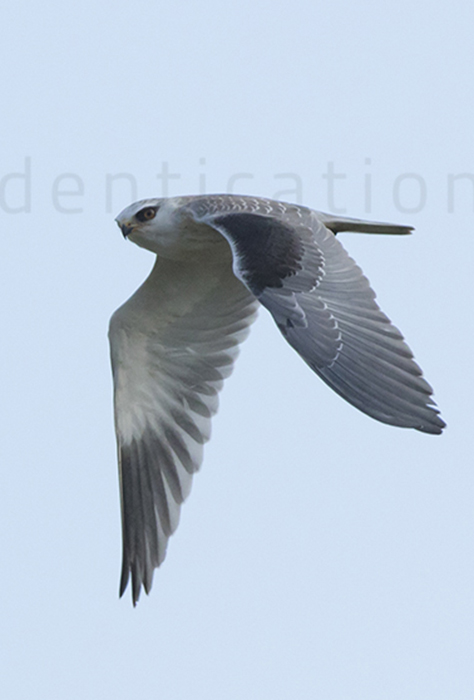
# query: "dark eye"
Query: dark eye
146,214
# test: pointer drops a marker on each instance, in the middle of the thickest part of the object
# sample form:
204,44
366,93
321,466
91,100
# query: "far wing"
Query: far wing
172,345
326,310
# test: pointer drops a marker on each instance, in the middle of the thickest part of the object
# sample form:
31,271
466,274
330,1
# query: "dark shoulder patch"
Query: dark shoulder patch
268,249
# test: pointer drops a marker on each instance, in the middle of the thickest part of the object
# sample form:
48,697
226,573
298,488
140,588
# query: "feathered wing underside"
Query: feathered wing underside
172,345
324,306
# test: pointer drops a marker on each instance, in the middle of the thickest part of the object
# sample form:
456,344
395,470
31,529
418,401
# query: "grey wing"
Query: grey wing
326,310
168,367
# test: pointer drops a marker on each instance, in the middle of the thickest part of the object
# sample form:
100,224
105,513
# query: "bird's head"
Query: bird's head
168,229
149,223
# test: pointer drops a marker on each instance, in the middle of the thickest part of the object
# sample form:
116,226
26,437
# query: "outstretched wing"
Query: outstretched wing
172,345
324,305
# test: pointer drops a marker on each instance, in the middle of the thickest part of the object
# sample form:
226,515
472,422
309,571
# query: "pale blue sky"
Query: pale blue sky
320,554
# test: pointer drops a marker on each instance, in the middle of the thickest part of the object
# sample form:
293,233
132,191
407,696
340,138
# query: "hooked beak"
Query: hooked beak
126,229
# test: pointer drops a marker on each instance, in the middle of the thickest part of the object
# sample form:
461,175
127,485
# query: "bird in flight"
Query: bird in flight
218,258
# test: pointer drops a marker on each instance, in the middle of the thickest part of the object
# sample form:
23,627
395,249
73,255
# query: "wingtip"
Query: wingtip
135,592
136,587
137,584
436,427
124,576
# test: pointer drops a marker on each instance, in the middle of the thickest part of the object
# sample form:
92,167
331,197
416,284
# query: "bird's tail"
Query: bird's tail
337,224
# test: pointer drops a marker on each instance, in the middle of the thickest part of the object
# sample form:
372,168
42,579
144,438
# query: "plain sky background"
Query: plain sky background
321,554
